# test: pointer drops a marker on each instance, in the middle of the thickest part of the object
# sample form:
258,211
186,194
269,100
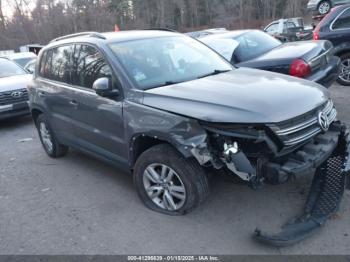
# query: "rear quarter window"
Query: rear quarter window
343,21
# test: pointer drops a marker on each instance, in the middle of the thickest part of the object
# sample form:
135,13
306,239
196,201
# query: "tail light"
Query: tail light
299,68
316,34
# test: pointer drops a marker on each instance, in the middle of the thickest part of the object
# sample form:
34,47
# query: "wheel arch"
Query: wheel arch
141,142
342,50
35,113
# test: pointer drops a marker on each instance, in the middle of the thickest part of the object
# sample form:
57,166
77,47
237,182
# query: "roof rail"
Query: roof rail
163,29
90,34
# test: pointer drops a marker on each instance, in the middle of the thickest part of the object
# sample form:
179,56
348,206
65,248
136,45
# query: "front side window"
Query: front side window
343,22
88,66
9,68
166,60
272,28
254,44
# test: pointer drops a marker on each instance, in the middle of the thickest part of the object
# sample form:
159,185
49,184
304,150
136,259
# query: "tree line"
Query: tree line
39,21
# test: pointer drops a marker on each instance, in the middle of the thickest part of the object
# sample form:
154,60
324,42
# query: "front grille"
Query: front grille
13,97
302,129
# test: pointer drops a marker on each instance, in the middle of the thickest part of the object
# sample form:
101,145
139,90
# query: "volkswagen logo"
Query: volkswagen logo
323,121
17,94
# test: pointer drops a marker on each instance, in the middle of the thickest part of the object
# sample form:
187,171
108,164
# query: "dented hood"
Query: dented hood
240,96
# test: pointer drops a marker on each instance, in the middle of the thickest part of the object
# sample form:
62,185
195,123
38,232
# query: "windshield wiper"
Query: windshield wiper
215,72
167,83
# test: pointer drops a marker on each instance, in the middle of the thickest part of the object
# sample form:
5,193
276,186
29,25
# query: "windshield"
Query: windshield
224,47
164,61
9,68
254,44
23,61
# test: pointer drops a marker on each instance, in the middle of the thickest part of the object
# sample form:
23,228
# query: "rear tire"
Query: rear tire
187,188
344,76
51,145
324,7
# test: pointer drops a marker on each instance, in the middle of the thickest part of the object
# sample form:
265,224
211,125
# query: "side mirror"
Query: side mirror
102,87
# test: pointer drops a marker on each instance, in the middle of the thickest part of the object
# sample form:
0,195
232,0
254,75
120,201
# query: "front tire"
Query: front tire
344,76
51,145
168,183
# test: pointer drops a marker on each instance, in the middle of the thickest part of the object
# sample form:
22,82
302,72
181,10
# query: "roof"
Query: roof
229,34
113,37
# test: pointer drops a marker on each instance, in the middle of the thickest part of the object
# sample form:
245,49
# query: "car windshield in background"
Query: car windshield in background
164,61
254,44
9,68
23,61
224,47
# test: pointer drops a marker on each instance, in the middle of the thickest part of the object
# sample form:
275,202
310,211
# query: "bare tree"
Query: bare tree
38,21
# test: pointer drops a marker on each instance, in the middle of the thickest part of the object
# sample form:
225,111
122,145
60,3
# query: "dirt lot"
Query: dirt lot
78,205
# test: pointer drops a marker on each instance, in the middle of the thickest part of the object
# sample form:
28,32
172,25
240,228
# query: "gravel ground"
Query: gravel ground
78,205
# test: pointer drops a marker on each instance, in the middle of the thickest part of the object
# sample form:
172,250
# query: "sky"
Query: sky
8,6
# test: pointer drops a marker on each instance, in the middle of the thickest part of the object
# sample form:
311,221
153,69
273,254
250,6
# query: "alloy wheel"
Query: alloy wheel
345,70
324,8
46,137
164,187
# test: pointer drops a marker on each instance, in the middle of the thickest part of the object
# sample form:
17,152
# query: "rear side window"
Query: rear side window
88,66
56,64
343,22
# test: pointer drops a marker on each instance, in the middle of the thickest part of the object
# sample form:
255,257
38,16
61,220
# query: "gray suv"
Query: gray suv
169,109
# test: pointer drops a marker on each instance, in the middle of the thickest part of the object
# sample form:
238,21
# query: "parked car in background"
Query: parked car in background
30,66
335,27
23,58
13,89
33,48
206,32
289,30
311,60
323,7
167,108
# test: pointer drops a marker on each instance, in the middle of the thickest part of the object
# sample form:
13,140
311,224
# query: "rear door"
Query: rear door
54,93
99,125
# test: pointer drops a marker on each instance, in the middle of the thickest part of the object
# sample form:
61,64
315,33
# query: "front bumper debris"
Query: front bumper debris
325,196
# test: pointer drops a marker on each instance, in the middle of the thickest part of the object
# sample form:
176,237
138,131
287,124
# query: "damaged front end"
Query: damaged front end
325,195
256,156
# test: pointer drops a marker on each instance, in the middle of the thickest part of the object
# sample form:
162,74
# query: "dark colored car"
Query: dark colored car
335,27
289,30
212,31
13,90
311,60
323,7
167,108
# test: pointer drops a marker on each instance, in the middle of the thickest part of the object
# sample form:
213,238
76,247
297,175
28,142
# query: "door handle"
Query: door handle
73,103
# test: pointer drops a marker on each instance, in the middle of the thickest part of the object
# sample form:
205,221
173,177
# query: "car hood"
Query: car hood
240,96
306,50
14,82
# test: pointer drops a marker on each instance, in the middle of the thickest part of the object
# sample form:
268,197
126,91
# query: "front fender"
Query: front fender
183,133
